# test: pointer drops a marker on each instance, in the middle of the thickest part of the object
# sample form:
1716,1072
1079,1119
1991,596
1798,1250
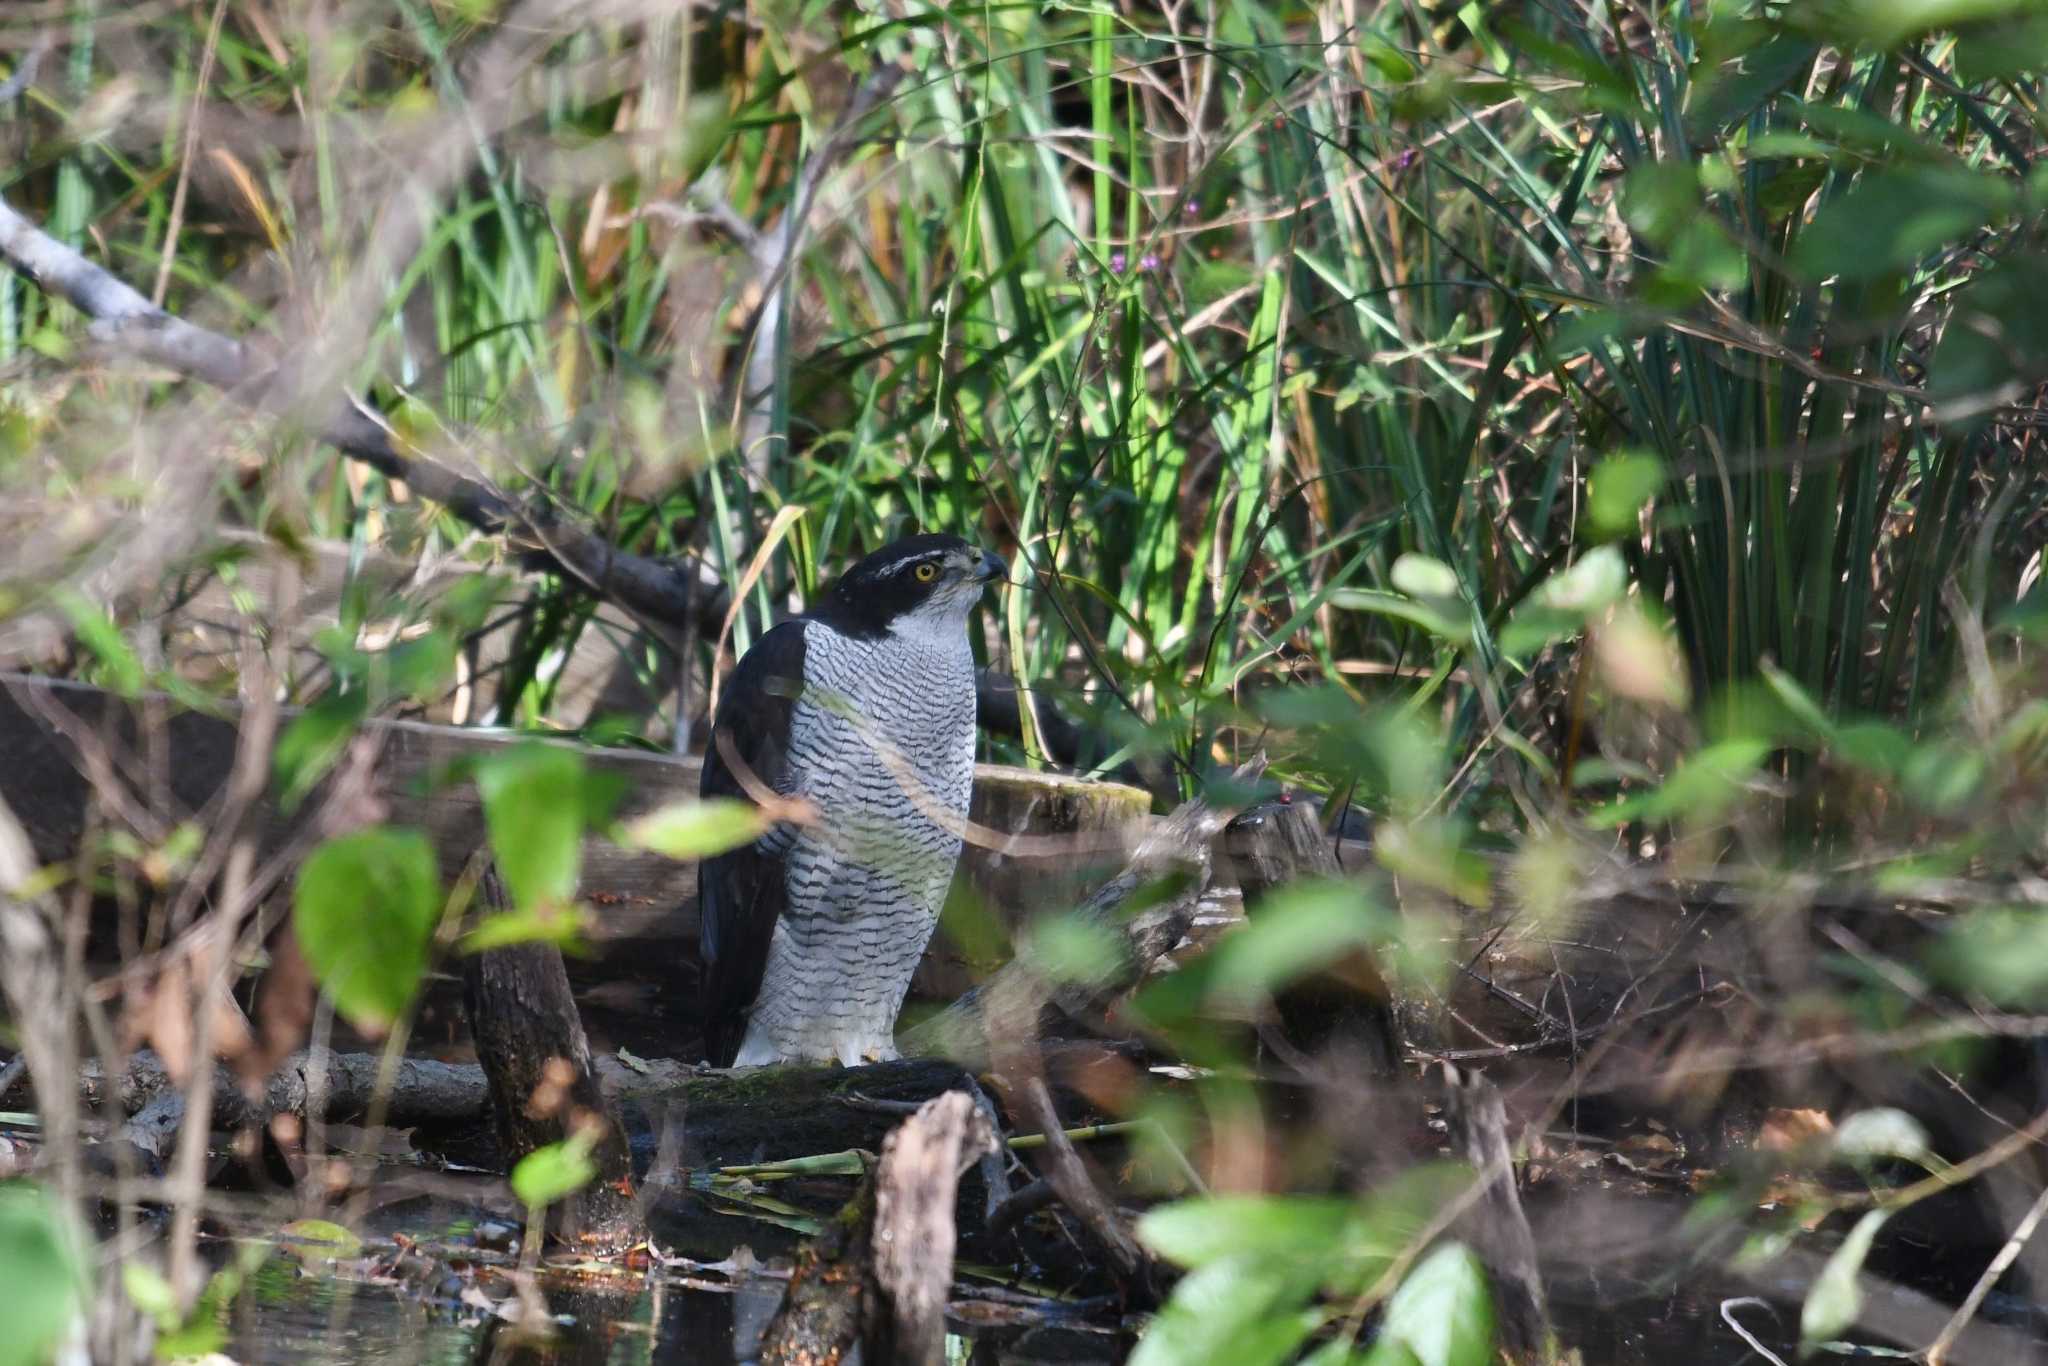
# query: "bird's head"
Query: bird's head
919,582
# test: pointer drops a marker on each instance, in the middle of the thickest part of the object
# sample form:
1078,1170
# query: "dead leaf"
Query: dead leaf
1786,1130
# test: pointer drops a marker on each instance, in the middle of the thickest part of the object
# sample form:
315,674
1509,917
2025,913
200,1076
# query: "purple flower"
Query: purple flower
1116,263
1406,159
1191,208
1148,262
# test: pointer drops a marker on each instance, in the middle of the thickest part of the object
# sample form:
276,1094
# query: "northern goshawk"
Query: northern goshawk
864,707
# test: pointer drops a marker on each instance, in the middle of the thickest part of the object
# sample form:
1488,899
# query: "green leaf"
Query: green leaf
1889,23
1941,776
1620,487
313,741
1996,341
1890,220
698,830
2000,952
1199,1233
560,923
1073,948
1235,1312
1660,198
547,1174
534,808
42,1270
1298,929
1700,789
1595,580
1437,623
1342,1245
1443,1312
2001,51
1534,626
319,1240
365,908
97,631
1431,852
148,1291
1835,1299
1420,576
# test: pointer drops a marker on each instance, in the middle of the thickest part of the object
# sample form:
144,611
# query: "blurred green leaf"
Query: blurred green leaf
535,807
1299,928
698,830
1660,199
1430,618
2002,50
1998,952
43,1271
1942,776
1996,342
1890,23
1236,1312
1073,948
1736,77
1201,1232
1442,1314
1420,576
365,908
124,671
309,746
319,1240
550,922
1430,852
1703,787
1620,487
547,1174
1342,1245
1834,1299
1888,220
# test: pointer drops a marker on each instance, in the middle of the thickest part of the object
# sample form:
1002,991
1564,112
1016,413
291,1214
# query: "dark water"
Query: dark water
317,1318
292,1316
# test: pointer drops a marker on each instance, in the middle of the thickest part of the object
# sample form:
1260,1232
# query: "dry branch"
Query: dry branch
674,592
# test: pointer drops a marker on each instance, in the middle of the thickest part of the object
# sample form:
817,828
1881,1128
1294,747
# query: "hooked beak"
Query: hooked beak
994,568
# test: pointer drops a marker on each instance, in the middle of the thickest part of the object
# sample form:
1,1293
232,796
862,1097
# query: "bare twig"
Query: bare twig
1938,1351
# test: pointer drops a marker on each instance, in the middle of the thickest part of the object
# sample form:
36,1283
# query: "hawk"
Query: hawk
863,706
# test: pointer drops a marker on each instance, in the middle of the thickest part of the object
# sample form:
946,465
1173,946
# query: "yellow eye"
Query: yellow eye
926,572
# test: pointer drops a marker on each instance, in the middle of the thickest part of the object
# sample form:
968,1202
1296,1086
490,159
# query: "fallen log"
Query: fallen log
755,1115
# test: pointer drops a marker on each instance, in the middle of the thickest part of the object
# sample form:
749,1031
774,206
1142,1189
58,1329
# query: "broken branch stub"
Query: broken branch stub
916,1186
1167,874
881,1271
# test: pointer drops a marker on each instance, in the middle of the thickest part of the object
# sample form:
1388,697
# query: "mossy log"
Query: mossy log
750,1115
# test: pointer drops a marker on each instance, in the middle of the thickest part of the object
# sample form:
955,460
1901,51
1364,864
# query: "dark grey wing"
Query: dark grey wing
743,892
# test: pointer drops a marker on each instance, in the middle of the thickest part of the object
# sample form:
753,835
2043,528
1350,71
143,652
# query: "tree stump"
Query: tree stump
543,1084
